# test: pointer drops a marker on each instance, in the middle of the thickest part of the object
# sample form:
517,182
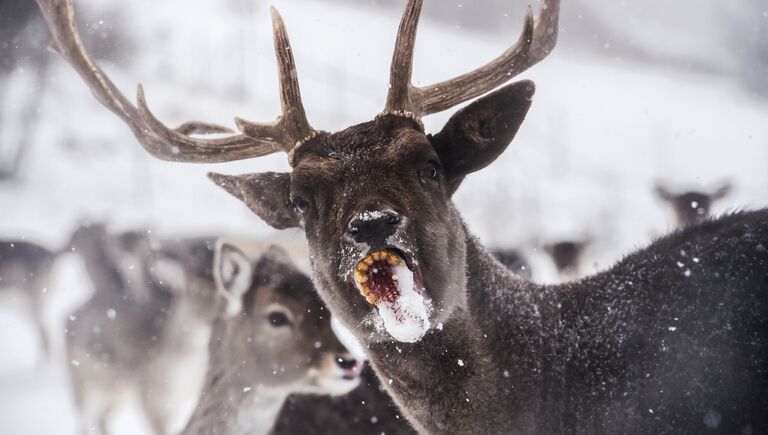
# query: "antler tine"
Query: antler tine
535,43
160,141
190,149
513,61
292,128
545,32
400,87
197,127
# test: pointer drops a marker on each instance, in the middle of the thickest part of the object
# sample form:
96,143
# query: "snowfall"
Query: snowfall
605,125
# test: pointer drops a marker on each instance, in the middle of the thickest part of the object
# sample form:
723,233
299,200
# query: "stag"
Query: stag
671,339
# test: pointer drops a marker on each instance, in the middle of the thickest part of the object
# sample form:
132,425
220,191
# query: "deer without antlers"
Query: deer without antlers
692,206
274,338
143,333
25,272
671,339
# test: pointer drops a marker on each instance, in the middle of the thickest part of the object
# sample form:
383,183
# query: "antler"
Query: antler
175,144
405,99
292,129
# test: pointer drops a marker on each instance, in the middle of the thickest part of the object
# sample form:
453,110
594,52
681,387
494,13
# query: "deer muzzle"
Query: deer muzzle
385,279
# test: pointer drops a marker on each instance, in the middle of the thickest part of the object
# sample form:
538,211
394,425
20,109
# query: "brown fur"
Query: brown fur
504,355
254,363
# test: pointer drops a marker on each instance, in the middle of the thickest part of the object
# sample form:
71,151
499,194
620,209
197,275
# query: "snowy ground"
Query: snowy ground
600,132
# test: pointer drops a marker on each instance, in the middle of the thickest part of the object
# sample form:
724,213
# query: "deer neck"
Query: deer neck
231,403
99,265
476,373
186,329
235,411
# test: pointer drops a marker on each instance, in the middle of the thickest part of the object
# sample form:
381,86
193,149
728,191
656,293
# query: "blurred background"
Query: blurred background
637,95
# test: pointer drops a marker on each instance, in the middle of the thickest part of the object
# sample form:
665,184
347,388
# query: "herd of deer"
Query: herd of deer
163,306
673,338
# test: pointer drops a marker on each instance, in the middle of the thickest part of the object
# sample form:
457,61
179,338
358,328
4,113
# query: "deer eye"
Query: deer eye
300,204
278,319
429,171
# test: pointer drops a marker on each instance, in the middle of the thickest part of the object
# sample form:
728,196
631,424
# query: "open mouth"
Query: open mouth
380,275
385,279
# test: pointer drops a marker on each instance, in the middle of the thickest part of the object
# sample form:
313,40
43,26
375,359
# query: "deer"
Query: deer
693,206
669,339
567,256
142,335
23,36
25,272
152,316
272,339
514,260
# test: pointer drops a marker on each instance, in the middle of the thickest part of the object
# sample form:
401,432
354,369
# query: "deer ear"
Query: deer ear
233,275
722,191
477,134
276,255
169,272
266,194
663,193
274,261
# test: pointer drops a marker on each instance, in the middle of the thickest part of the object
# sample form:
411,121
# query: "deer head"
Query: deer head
693,206
184,267
374,199
272,308
567,255
86,234
114,259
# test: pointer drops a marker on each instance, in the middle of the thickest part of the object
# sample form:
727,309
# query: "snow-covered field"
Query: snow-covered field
601,131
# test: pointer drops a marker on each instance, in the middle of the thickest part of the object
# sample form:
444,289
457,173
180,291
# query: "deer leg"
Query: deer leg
42,332
29,118
104,421
94,409
153,411
4,79
37,301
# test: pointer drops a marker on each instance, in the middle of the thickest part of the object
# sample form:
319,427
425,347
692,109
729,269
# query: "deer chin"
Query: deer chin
391,283
331,379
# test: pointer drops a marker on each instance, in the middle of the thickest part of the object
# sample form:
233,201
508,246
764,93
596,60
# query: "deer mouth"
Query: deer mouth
391,283
336,376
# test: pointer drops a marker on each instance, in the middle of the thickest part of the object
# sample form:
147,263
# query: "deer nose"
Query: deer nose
374,225
346,362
